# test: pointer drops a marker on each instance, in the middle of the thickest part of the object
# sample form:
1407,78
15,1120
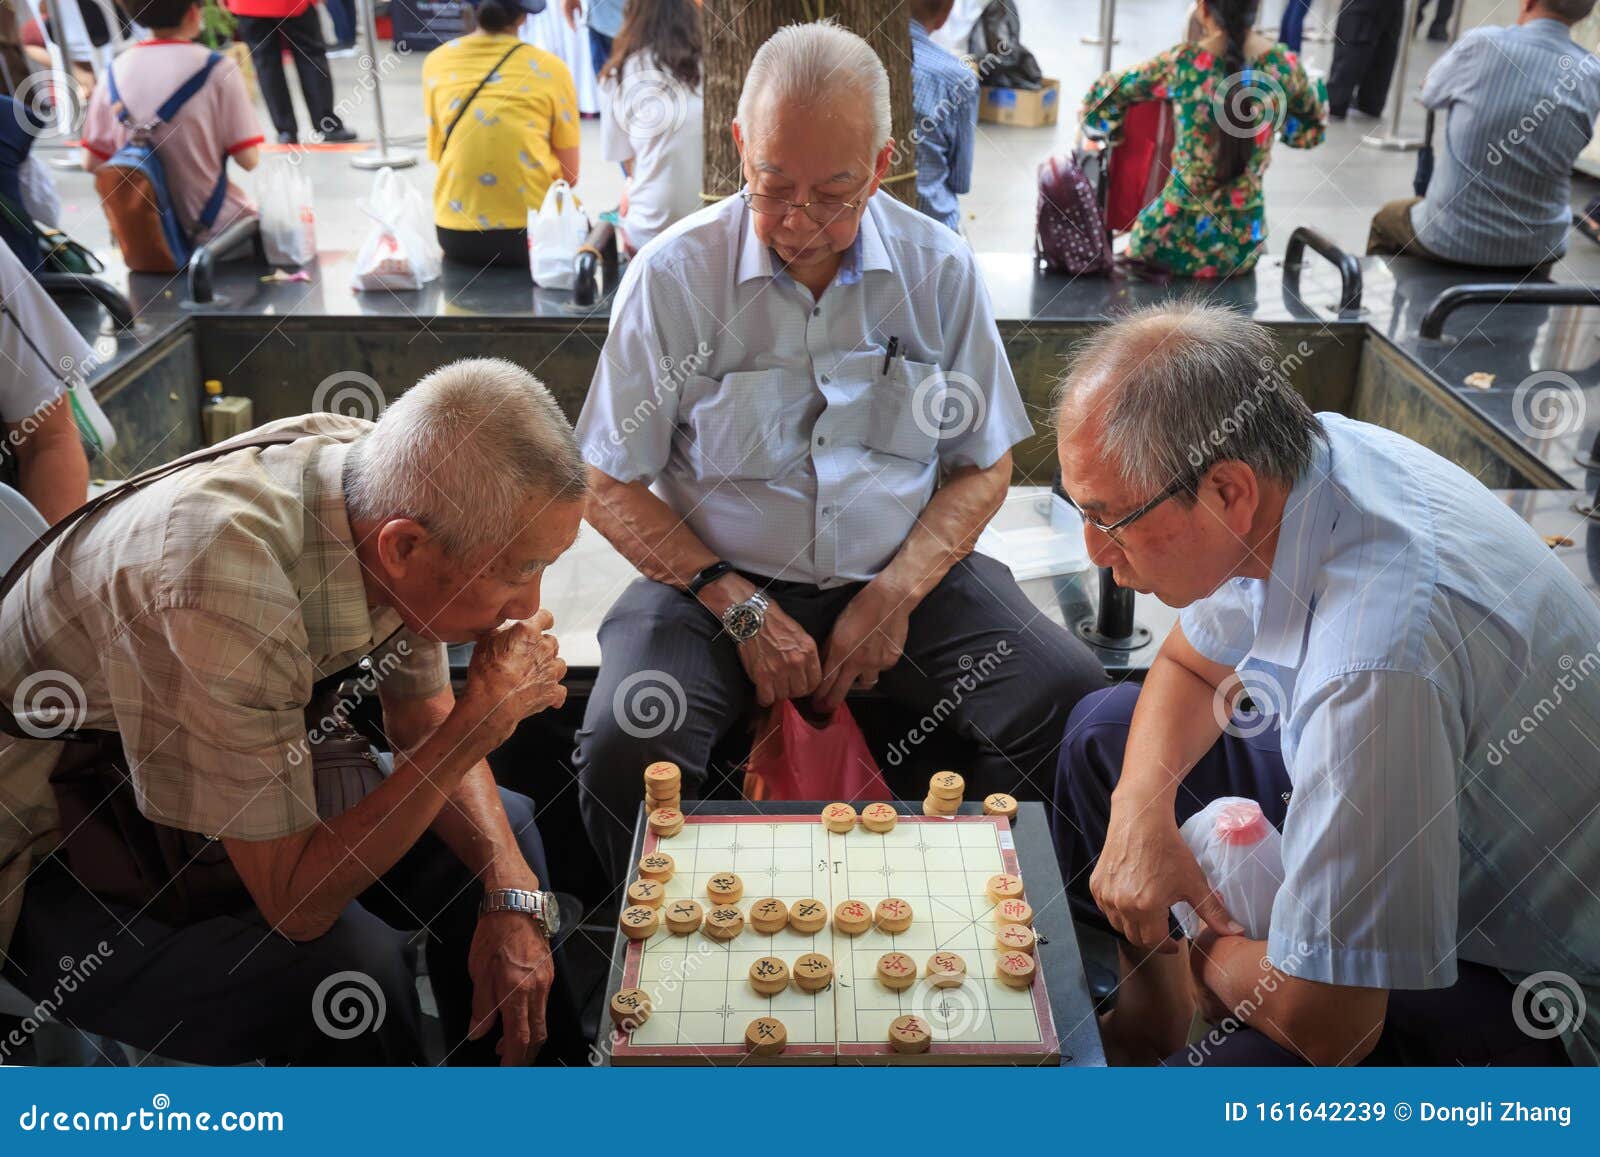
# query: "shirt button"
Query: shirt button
821,441
824,379
817,312
827,510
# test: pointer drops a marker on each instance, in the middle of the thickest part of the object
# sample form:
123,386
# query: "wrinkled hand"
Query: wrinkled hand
1144,869
512,970
867,639
781,660
516,671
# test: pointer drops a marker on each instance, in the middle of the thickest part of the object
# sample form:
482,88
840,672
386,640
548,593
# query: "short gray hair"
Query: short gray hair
462,451
1570,11
1179,387
815,64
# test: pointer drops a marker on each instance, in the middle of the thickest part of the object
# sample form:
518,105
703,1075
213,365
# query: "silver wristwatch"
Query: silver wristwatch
743,620
541,906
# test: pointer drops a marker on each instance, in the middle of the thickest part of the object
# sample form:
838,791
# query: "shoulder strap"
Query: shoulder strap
187,89
8,721
116,97
445,144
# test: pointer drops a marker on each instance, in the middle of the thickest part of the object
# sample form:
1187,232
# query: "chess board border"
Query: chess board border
1070,1015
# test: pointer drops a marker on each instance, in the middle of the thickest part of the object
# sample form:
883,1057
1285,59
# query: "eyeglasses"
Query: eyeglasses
820,212
1113,530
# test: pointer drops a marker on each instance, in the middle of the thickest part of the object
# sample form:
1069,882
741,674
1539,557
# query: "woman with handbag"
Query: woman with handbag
502,126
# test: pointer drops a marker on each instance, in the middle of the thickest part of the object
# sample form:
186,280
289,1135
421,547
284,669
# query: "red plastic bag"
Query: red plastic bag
792,759
1140,163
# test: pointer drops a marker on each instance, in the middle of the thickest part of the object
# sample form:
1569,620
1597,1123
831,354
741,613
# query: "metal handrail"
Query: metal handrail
598,249
1349,267
1507,293
246,230
118,306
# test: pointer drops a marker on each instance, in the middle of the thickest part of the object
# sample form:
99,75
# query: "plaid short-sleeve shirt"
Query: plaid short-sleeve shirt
193,618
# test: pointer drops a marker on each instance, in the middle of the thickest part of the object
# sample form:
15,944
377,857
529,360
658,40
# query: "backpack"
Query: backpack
1070,233
133,186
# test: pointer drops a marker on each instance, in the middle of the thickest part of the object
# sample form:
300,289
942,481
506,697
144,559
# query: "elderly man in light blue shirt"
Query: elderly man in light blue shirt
1423,725
801,420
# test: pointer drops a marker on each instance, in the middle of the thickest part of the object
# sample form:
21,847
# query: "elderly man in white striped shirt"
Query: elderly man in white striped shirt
802,418
1424,686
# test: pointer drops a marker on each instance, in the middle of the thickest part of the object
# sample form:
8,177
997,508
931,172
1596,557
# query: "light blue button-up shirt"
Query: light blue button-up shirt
765,416
1435,673
944,96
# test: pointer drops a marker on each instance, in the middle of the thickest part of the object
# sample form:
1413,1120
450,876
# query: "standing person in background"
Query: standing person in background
1439,30
502,125
1366,45
261,24
944,95
342,14
650,119
604,18
1292,25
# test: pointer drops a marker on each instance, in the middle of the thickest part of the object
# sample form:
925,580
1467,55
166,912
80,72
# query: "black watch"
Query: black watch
708,576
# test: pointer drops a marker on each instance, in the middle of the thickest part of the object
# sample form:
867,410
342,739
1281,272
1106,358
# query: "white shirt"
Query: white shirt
1435,673
40,350
652,119
765,418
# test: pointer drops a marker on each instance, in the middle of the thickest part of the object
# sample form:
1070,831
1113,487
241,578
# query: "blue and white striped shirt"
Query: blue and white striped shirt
1435,674
1522,105
944,95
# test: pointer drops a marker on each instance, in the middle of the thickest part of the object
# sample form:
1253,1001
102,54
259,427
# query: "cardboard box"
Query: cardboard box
1022,107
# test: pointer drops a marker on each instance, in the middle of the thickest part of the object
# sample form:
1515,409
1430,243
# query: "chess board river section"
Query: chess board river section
701,991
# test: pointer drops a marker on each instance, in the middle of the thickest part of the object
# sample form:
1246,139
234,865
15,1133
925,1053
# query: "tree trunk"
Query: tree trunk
734,29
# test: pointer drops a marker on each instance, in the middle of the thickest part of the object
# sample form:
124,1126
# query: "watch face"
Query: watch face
743,622
552,914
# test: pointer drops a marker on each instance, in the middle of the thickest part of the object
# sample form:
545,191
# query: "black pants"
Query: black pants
980,660
228,990
480,247
1441,16
1470,1023
303,34
1367,45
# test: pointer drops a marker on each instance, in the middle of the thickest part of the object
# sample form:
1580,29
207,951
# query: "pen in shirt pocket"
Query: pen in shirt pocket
894,344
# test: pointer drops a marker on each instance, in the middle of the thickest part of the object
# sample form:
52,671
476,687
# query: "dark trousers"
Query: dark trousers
1470,1022
1291,28
1367,43
344,21
599,50
303,35
1441,17
480,247
228,990
976,627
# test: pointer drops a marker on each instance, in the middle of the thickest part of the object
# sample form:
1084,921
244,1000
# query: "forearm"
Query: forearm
55,478
1173,727
946,530
473,824
646,531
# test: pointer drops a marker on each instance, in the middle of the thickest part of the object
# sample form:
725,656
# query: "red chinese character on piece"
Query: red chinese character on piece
912,1026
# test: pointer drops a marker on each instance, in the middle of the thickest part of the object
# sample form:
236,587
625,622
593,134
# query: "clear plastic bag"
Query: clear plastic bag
401,251
554,234
1241,854
288,215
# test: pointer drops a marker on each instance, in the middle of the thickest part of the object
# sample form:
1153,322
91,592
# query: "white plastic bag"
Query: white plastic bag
554,234
402,251
1242,856
288,217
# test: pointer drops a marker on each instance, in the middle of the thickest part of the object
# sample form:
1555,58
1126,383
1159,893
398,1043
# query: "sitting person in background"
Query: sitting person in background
1521,104
651,116
502,126
1233,91
215,124
944,95
42,352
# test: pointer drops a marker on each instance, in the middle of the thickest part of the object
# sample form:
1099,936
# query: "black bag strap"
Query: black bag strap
445,144
8,721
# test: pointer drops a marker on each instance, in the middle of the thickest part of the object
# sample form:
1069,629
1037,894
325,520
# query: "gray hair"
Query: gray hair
814,64
1568,11
1179,387
462,451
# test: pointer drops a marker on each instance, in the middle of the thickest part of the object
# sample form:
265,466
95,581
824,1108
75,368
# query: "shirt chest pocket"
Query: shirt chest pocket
905,408
733,425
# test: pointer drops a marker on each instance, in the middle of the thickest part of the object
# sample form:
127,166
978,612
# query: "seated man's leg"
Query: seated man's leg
670,686
1391,233
222,991
983,660
1153,1002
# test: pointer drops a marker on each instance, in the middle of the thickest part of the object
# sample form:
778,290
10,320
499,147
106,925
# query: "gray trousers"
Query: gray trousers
980,662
